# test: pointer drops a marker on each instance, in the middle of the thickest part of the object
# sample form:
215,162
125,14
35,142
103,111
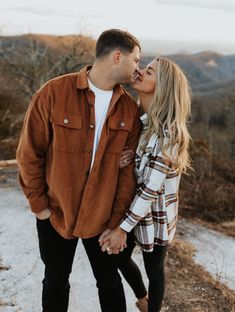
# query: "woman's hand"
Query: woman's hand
103,237
126,158
115,242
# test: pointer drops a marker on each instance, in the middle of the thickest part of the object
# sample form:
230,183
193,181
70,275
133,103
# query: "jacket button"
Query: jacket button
91,126
87,173
89,150
66,121
122,123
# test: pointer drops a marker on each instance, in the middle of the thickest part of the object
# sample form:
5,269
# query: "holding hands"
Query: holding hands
113,241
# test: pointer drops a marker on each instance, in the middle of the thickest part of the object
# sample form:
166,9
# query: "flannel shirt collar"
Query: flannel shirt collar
144,119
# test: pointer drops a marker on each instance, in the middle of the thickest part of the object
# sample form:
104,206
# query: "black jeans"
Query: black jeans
57,253
108,280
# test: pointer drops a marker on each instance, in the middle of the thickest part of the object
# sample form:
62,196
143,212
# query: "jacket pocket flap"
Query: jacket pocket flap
66,120
120,124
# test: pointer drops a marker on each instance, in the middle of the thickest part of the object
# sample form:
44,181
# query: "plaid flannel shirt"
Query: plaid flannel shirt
154,210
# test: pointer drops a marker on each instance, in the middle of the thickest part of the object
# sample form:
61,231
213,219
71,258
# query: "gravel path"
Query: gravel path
214,251
20,278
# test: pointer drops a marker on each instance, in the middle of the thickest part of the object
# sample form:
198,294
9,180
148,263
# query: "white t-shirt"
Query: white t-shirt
102,101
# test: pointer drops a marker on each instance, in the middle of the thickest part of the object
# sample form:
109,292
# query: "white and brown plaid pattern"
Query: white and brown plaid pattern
154,210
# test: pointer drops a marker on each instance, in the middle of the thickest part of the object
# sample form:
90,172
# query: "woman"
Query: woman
161,157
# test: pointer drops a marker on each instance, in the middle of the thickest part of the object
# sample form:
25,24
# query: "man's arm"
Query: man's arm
31,153
126,185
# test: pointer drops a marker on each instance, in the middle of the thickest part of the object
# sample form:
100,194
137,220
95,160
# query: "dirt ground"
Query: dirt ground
191,289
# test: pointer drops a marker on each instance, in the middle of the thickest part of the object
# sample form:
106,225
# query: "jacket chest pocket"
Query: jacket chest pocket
119,130
67,130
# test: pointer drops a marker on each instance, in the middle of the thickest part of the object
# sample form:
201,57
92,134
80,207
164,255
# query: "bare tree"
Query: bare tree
30,63
26,63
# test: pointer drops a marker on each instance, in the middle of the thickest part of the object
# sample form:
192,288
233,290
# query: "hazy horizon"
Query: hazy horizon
157,47
175,25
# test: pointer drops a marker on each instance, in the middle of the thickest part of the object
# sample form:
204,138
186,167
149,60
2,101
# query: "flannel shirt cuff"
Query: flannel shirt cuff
126,226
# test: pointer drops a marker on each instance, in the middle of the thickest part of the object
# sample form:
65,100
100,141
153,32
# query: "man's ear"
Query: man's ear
116,56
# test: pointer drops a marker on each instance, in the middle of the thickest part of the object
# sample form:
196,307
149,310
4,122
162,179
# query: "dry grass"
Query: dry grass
189,288
208,193
8,177
226,228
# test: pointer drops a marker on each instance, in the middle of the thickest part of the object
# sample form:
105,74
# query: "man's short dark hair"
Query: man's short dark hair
113,39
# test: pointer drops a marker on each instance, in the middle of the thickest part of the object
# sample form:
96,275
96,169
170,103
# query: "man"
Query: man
74,132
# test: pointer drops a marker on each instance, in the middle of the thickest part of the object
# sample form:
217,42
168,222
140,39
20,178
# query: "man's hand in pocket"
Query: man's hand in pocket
43,215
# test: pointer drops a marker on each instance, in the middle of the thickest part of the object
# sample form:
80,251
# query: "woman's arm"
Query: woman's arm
155,173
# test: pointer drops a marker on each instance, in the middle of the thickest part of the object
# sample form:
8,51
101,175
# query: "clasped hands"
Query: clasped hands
113,241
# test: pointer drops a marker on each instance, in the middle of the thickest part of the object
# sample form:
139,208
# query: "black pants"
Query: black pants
130,270
154,266
57,253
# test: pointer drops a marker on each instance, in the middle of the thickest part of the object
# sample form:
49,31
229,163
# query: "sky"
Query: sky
166,25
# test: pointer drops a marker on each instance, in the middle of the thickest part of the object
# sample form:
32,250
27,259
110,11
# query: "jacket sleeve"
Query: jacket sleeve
31,153
155,173
126,186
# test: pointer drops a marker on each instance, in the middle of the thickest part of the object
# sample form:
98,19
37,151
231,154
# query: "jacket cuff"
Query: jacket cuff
114,222
39,204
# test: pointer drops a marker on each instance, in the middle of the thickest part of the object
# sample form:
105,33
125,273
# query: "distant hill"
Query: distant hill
53,42
204,70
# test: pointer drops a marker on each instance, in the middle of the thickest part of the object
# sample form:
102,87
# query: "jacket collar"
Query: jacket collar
82,82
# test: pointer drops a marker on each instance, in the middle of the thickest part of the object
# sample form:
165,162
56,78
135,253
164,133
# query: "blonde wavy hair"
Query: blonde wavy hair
169,113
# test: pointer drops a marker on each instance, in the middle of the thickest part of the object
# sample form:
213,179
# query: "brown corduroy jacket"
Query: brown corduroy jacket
55,152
